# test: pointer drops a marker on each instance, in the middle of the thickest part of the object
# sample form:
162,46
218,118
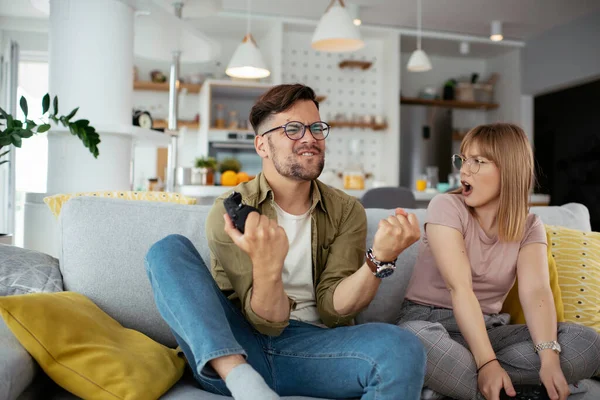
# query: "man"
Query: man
296,272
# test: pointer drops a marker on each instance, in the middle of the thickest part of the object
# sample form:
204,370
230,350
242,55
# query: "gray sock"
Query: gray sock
245,383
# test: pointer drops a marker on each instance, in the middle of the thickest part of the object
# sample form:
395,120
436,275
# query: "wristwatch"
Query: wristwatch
381,269
554,346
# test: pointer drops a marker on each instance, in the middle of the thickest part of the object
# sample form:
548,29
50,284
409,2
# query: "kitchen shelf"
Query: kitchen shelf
468,105
163,124
364,65
164,87
361,125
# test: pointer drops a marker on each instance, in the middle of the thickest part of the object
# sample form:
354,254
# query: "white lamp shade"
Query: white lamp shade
418,61
336,32
496,31
247,61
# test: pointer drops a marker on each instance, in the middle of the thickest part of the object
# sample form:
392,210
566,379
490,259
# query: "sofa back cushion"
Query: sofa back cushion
104,242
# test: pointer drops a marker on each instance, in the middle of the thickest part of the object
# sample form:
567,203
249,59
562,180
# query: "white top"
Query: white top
297,273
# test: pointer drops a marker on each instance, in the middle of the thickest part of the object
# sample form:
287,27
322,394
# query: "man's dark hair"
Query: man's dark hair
278,99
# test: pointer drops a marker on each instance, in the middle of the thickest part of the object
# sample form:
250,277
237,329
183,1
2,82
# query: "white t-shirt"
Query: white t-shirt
297,273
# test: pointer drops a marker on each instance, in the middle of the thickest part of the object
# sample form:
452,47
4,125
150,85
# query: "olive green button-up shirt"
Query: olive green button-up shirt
338,229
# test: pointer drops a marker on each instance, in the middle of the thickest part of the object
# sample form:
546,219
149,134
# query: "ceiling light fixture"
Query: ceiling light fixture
336,31
418,61
464,48
247,61
496,31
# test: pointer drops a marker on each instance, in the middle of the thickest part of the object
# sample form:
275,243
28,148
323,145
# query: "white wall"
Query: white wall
28,41
507,91
563,56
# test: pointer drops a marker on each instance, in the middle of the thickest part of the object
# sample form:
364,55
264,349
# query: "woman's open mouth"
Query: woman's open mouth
467,188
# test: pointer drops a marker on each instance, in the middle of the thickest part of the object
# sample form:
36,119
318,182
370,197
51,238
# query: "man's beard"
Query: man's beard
291,168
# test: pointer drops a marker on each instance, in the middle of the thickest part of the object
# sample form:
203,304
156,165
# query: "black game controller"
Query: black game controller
527,392
237,211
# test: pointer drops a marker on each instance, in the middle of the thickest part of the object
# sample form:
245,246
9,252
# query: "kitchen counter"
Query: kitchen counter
207,194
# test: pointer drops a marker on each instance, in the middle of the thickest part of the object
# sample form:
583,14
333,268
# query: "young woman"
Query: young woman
477,241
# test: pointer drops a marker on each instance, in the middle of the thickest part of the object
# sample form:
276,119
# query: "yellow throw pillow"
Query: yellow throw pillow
86,351
512,304
577,256
56,202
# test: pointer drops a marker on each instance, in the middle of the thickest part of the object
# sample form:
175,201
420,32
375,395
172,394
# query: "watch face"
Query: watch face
384,272
145,121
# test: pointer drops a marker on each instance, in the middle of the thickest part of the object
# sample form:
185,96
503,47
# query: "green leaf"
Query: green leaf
26,133
72,113
16,140
30,124
82,122
55,105
43,128
23,103
5,140
45,103
2,162
17,124
5,153
10,123
4,114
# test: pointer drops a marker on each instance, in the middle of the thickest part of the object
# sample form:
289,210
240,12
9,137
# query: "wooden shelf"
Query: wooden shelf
164,87
355,64
468,105
163,124
360,125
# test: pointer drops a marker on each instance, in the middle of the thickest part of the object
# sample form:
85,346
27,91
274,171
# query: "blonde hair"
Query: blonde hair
508,147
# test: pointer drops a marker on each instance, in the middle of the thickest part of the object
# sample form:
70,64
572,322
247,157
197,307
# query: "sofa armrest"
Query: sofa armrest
17,367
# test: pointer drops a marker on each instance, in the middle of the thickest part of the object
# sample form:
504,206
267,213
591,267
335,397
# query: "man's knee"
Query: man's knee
164,250
397,346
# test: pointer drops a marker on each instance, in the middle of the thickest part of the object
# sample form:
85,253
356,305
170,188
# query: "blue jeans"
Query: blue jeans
370,361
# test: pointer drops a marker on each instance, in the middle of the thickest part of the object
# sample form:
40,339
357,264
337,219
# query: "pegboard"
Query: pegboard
351,91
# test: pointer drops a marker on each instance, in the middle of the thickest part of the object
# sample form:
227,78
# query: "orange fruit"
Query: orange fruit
242,177
229,178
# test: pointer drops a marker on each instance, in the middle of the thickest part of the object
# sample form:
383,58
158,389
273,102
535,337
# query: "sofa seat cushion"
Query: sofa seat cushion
87,352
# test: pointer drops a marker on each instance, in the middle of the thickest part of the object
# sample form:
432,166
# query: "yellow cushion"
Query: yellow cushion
512,304
577,256
56,202
86,351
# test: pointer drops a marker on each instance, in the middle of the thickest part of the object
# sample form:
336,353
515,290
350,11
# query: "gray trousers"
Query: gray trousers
451,369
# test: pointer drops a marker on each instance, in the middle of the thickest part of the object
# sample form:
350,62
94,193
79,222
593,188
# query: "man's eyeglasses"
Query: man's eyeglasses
295,130
474,164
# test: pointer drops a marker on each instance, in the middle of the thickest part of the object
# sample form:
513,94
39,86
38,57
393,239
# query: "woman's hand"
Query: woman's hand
554,380
491,379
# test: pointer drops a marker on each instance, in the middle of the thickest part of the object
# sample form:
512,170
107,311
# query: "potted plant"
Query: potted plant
14,130
203,172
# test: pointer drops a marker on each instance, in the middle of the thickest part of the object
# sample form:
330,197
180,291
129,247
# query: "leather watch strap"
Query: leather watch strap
371,265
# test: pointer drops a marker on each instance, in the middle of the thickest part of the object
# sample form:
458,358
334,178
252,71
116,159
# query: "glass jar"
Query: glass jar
220,116
233,120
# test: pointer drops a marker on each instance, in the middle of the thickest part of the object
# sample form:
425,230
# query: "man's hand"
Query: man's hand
491,379
395,233
264,241
553,378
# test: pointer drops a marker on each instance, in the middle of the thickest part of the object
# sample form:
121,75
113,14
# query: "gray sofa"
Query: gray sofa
103,244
